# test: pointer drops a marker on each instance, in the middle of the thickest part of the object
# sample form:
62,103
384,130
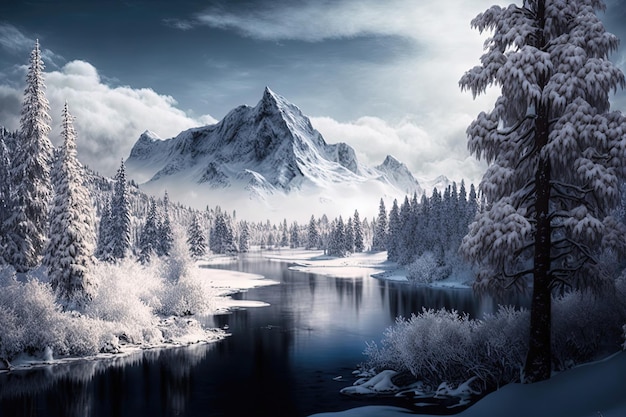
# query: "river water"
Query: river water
288,359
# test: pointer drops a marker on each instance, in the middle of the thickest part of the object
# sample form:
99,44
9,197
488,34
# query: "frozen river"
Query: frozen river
288,359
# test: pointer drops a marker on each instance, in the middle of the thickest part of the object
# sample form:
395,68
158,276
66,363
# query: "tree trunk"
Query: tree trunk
538,360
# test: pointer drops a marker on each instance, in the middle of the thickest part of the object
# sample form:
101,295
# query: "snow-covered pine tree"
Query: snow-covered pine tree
149,237
284,239
358,233
30,174
69,253
380,231
337,239
294,236
165,234
312,234
271,240
5,193
244,237
407,236
349,233
119,236
103,249
195,239
555,155
222,237
393,234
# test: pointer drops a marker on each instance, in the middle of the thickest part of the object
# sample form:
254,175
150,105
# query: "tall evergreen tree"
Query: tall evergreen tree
222,236
103,249
359,245
407,236
555,155
119,241
337,239
294,236
244,237
349,233
380,231
284,239
149,237
195,239
31,162
393,234
5,194
312,234
69,253
166,236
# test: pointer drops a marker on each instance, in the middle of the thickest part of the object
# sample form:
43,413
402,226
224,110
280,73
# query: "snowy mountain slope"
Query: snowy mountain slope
398,174
440,183
261,153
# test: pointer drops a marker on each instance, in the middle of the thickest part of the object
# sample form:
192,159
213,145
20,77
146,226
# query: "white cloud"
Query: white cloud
108,119
320,20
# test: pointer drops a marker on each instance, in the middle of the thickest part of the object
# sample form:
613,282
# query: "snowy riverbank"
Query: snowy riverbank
374,264
590,390
314,261
225,283
135,308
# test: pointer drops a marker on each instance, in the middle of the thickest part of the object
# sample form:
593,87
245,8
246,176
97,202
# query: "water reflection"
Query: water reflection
153,382
280,360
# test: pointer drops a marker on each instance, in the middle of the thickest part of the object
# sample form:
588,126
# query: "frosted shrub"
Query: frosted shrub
586,325
128,305
184,292
185,297
439,346
179,263
442,346
32,321
126,296
426,269
500,346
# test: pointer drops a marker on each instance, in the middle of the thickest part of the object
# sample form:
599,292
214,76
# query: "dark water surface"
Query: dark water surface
279,360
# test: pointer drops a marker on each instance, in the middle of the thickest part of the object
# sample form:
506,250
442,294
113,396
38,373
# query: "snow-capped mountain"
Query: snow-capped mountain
398,174
440,183
261,152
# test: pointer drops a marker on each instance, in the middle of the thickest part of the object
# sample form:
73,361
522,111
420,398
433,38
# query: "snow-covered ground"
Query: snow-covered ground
374,264
226,282
134,310
314,261
592,390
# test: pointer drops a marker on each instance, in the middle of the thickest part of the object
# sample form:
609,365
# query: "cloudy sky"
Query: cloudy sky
379,75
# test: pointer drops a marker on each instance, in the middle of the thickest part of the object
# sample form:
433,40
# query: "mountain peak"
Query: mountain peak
272,99
268,92
391,162
399,175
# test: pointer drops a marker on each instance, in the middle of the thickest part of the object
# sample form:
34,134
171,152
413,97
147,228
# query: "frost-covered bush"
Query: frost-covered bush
426,269
127,296
31,320
183,292
130,305
501,345
187,296
442,346
588,324
439,346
